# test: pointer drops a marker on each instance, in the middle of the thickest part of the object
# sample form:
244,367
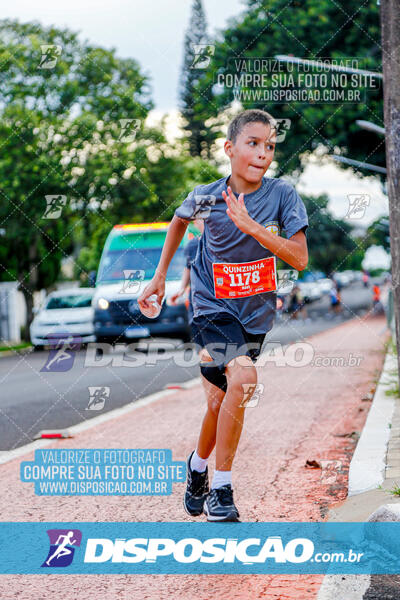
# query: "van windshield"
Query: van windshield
73,301
115,262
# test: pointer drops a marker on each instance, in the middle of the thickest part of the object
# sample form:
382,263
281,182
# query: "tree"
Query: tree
172,178
61,105
311,30
196,56
331,246
390,21
378,233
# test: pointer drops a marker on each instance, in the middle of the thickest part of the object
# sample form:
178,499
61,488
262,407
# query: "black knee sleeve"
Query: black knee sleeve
215,375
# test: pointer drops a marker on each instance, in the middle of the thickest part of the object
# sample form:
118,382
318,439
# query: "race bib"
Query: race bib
238,280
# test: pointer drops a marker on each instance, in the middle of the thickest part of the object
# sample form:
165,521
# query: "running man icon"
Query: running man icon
61,356
61,551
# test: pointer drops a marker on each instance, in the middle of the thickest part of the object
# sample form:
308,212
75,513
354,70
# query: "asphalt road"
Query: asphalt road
33,397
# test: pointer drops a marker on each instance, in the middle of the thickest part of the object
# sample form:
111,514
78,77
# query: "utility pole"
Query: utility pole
390,27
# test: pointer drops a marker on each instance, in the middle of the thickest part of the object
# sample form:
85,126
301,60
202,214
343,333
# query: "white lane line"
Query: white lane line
9,455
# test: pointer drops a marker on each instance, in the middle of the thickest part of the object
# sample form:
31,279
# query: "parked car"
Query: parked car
325,285
350,275
310,290
128,263
65,314
342,279
357,275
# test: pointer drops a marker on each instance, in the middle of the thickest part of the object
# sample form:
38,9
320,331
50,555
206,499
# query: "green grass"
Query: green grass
15,347
395,491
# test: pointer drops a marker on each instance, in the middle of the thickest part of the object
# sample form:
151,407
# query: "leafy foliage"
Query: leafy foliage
311,30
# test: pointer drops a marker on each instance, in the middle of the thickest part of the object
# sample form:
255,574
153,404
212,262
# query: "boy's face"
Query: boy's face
253,151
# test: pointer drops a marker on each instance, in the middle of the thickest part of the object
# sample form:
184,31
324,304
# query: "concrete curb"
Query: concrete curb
367,467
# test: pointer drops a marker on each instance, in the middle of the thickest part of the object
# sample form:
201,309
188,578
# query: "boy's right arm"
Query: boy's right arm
175,233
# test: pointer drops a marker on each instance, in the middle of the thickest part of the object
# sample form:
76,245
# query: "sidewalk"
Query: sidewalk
309,413
374,473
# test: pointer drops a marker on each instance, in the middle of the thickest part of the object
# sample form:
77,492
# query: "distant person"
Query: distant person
336,299
190,252
365,278
336,281
376,299
296,303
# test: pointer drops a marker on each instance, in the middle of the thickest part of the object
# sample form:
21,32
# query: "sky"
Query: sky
152,32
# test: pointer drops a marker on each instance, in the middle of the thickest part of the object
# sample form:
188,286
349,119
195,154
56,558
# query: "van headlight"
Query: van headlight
103,303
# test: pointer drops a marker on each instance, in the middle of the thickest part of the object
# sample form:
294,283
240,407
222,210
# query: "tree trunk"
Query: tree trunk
28,285
28,295
390,24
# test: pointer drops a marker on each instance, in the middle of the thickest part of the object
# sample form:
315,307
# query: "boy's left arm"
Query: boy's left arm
293,251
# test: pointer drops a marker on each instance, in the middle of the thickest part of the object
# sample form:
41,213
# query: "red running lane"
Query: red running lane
306,413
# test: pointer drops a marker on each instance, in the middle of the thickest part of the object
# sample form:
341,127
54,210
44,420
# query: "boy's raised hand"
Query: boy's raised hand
237,211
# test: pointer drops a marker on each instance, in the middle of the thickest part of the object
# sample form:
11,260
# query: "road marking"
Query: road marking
8,455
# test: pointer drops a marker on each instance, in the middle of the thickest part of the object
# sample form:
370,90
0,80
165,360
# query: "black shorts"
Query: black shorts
225,338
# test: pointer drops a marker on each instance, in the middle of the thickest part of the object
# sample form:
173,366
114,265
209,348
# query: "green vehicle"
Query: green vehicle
128,262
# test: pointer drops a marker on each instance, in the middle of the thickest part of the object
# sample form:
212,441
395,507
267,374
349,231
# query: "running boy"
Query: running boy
234,303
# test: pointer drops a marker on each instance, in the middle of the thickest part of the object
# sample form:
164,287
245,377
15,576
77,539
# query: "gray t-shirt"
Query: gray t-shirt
275,205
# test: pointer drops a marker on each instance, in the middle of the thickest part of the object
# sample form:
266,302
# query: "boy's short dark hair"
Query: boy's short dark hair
253,115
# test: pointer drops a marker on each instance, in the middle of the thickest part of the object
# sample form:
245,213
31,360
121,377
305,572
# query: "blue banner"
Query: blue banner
202,548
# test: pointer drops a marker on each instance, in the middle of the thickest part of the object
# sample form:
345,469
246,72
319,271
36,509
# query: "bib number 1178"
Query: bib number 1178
238,280
242,279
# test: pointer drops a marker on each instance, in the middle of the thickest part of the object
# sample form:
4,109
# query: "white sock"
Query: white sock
197,463
221,478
